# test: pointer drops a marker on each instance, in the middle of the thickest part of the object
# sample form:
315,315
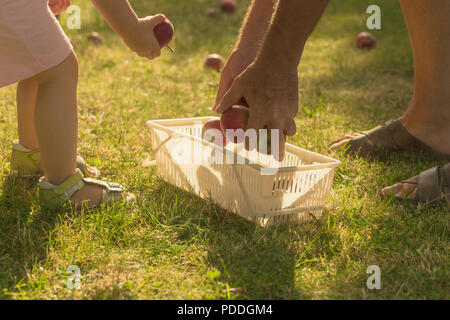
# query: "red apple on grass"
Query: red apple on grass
214,61
95,38
365,40
211,13
212,132
164,32
228,5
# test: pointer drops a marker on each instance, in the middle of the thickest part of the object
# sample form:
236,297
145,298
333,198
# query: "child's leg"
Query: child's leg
26,100
55,119
26,103
56,126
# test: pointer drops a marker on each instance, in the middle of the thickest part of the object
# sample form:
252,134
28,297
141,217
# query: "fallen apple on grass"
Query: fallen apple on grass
214,61
95,38
211,13
164,32
365,40
228,6
212,132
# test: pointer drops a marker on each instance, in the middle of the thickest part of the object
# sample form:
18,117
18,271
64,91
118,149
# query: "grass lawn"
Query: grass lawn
174,245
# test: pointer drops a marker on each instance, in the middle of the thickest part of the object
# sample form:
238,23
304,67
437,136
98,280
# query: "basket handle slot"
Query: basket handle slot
153,153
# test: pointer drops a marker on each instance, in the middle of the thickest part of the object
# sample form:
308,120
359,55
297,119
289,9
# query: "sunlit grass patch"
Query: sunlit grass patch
173,245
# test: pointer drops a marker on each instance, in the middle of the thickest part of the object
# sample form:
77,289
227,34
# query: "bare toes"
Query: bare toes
338,144
400,190
407,190
92,171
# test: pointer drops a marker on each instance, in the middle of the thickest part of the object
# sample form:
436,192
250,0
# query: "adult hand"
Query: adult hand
143,40
271,91
58,6
239,60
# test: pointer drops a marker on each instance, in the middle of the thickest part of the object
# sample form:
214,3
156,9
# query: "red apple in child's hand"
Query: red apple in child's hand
95,38
164,32
228,5
212,132
58,6
365,40
214,61
235,118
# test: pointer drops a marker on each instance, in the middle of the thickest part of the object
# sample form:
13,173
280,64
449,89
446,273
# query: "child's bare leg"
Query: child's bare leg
56,119
26,103
57,126
26,100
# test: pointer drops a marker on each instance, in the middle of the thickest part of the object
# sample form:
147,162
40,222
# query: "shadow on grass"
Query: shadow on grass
259,261
24,232
273,262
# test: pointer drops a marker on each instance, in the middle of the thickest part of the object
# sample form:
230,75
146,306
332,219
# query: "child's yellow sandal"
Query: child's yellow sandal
56,197
26,163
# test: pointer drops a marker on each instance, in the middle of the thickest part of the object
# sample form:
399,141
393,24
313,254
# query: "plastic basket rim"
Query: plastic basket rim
333,163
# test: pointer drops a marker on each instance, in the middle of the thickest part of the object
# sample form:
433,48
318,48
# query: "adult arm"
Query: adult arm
270,83
248,45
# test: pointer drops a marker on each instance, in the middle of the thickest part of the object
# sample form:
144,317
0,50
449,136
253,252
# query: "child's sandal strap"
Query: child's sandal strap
110,197
35,156
26,163
81,164
56,196
112,192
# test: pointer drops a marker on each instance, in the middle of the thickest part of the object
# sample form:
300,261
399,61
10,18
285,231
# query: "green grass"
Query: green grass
174,245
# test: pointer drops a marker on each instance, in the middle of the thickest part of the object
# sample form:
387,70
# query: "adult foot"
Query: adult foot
395,137
429,187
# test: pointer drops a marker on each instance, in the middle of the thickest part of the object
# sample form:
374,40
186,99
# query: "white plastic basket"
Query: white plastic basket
261,190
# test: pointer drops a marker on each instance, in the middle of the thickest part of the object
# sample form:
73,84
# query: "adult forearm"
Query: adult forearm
118,14
256,24
292,24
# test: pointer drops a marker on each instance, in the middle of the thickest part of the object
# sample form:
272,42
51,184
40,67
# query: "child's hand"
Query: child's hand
143,40
58,6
